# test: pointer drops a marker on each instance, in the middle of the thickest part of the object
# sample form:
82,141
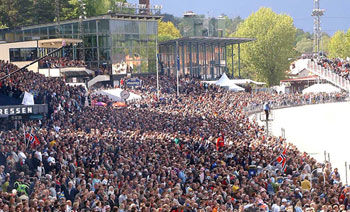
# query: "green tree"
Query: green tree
9,13
339,45
167,31
305,45
266,59
325,42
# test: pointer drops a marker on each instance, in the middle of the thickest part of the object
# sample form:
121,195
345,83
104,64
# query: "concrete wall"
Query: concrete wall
5,53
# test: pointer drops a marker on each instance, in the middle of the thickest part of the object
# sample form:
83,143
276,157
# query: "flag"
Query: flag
282,159
28,99
32,139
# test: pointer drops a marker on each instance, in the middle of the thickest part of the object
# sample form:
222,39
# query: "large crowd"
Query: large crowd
339,66
60,62
157,154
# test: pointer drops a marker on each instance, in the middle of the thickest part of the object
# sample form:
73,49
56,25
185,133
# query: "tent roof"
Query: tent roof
223,80
247,81
321,88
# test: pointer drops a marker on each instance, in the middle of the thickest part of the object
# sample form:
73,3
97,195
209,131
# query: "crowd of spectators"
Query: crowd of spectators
338,66
157,155
60,62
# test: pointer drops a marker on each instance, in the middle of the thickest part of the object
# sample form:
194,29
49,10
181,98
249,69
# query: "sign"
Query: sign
125,94
22,110
133,82
15,110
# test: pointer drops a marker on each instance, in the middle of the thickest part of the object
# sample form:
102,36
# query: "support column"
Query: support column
239,60
233,73
219,57
212,61
205,61
197,69
226,59
98,46
190,50
183,59
175,58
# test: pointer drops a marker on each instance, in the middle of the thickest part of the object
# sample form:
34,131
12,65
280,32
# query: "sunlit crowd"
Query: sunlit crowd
159,154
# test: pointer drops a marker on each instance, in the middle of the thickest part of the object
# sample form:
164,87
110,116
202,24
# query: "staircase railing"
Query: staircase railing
329,75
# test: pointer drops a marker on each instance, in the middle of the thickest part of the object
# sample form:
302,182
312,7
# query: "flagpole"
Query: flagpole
24,134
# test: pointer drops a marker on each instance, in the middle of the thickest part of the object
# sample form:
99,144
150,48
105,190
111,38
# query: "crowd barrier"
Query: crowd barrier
258,108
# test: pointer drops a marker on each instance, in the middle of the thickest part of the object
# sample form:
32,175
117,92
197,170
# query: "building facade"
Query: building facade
197,25
120,42
200,57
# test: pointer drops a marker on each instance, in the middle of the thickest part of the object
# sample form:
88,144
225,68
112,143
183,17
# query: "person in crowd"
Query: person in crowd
159,154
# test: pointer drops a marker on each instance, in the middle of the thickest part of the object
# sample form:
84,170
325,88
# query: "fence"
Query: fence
329,75
313,99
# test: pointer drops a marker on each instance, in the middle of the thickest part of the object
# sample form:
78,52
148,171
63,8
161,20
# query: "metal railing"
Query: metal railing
316,99
329,75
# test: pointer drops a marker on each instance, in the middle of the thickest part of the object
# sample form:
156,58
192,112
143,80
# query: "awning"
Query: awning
57,42
76,72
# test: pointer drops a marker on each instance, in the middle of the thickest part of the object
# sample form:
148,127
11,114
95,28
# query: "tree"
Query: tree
171,18
305,45
231,24
9,13
325,42
167,31
266,59
339,45
15,13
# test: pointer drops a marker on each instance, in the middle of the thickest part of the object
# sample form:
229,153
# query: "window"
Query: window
23,54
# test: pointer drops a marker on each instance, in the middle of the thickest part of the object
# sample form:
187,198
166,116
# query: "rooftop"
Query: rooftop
116,16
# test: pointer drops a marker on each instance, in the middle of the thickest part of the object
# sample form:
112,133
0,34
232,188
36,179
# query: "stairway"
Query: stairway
328,75
99,78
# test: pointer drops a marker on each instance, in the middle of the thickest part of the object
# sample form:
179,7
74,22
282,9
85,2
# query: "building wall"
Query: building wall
107,41
5,53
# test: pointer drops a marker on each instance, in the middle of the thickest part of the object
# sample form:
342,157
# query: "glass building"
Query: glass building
125,43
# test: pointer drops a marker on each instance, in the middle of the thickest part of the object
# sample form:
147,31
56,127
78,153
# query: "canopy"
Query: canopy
114,95
246,81
235,88
321,88
223,80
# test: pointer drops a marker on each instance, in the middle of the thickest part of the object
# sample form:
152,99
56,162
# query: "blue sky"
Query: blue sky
337,15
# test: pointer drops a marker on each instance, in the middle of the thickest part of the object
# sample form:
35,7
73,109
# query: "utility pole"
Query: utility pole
317,13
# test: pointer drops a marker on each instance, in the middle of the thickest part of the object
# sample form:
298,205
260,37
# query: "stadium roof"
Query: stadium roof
98,17
209,40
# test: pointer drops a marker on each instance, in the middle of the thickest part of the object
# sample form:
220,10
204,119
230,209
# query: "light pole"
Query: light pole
177,69
157,61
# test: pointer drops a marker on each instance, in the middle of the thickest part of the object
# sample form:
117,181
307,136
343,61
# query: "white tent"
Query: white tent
246,81
114,94
321,88
235,88
223,80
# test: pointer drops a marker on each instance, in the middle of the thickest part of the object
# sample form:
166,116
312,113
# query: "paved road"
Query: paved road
316,128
